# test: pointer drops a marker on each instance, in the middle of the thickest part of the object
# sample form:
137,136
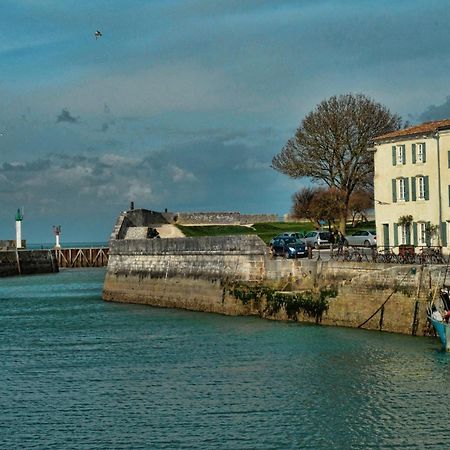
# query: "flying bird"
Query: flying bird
98,34
382,203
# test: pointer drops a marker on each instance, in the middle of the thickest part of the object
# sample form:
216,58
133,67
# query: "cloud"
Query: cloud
434,112
65,116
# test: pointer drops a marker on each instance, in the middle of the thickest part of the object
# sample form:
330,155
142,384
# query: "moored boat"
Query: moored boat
438,313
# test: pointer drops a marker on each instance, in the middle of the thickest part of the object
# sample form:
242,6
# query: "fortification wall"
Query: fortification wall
222,218
26,262
195,273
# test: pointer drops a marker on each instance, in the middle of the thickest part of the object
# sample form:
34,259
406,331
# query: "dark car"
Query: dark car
289,248
287,234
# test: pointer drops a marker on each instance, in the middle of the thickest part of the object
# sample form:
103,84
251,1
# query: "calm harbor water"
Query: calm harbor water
77,372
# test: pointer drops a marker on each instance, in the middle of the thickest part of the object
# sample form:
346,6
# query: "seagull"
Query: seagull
98,34
381,203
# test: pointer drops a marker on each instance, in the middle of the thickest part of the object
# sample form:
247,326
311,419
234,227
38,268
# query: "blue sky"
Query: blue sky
183,104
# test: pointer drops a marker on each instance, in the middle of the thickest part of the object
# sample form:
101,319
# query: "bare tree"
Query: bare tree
333,145
360,202
316,205
302,204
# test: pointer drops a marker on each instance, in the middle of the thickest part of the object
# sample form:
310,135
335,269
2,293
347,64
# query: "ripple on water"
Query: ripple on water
80,373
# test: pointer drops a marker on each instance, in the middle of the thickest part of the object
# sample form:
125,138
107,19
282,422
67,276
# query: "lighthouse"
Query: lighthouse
57,231
19,218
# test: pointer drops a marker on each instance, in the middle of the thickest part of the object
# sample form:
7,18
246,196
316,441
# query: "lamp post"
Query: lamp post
57,231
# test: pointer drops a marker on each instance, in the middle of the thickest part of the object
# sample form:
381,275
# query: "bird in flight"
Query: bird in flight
98,34
382,203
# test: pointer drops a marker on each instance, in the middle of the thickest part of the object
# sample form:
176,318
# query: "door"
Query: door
386,235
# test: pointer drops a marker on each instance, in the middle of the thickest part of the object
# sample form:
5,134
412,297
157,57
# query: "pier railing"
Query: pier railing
82,257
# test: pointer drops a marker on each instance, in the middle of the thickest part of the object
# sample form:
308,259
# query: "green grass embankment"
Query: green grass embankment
266,231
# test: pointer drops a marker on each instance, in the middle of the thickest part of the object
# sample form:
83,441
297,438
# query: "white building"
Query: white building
412,186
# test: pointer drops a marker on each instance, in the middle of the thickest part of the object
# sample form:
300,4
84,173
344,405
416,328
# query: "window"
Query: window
404,232
420,188
420,153
400,159
401,189
421,233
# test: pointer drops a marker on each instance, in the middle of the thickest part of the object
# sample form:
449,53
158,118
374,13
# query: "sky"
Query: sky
182,104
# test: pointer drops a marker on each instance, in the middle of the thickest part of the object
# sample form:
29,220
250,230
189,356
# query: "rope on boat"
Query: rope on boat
389,296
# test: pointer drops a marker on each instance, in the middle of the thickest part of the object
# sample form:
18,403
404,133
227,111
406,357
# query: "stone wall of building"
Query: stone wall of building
193,273
27,262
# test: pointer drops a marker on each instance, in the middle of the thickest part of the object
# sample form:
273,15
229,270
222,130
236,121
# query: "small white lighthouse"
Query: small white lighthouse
19,218
57,231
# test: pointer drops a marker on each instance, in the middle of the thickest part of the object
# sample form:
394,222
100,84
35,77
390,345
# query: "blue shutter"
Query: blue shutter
449,195
394,157
415,239
428,234
413,154
444,234
413,189
406,189
426,188
424,153
448,155
404,153
395,234
394,190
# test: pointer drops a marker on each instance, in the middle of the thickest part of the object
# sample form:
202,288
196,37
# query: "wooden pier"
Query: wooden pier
82,257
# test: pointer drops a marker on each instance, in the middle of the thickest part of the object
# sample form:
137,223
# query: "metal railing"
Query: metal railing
407,254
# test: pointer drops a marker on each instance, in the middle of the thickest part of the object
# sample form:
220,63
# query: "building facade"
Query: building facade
412,186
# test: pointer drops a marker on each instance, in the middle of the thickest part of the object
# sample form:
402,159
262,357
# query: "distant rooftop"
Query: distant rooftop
423,128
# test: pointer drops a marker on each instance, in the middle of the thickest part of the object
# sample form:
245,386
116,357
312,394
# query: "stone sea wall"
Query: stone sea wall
27,262
198,274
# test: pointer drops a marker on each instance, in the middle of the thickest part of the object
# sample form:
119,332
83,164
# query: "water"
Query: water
77,372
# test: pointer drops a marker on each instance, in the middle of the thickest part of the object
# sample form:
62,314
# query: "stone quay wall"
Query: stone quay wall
222,218
27,262
193,273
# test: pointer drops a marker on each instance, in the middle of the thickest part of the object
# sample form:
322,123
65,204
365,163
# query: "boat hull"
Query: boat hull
443,331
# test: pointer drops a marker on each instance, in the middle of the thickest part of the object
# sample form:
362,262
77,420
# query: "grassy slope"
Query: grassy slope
266,231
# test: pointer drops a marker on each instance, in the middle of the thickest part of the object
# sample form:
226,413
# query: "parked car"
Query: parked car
361,238
289,247
287,234
318,239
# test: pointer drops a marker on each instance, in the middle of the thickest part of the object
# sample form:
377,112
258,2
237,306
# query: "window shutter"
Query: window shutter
413,154
426,188
395,234
424,152
394,157
415,240
428,235
408,234
394,190
406,189
449,195
404,153
448,153
413,189
444,234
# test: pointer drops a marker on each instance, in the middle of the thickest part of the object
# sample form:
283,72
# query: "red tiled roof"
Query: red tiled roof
423,128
